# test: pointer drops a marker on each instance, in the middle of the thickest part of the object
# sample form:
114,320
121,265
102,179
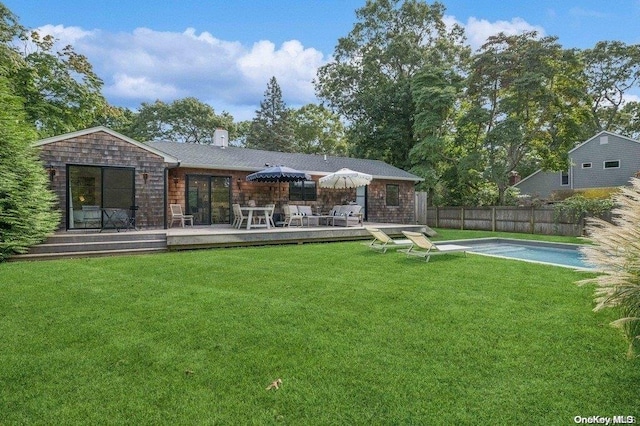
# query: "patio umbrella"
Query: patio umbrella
278,174
345,178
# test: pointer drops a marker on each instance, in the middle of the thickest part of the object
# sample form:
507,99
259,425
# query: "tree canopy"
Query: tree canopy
369,81
272,128
184,120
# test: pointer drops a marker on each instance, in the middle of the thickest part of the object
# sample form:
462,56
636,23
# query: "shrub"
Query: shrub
616,250
26,204
576,208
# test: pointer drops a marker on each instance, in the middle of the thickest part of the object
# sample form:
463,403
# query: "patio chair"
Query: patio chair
307,215
291,214
91,216
177,215
381,241
238,216
421,246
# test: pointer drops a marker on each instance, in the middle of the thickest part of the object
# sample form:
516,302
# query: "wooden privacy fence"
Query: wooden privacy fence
533,220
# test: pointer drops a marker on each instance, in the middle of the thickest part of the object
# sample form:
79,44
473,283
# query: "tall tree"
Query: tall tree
184,120
317,130
526,97
612,69
436,93
26,204
272,129
62,93
369,81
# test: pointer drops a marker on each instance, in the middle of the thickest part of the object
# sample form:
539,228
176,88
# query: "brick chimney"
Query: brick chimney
514,177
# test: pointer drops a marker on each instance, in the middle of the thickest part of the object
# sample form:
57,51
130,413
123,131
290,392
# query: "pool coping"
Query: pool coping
532,243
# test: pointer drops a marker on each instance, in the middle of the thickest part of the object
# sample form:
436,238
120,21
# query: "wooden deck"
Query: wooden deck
227,236
76,243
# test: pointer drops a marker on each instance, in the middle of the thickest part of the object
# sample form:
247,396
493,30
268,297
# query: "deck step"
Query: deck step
78,254
71,244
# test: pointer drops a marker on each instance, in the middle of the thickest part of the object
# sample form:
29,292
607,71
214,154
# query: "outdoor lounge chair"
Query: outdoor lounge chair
381,241
423,247
291,214
238,216
178,216
308,216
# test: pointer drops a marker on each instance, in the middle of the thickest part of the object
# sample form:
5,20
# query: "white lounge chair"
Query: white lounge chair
291,214
238,217
178,216
381,241
421,246
308,216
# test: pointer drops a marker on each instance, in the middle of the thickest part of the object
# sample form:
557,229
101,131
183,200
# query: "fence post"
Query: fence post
462,218
437,217
493,219
532,221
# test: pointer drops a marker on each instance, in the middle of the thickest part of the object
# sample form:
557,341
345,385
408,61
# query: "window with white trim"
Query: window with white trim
564,178
586,165
611,164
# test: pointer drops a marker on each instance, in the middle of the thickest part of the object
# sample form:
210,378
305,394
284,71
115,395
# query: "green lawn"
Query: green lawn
357,337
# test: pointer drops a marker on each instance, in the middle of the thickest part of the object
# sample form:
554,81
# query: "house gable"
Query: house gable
604,160
80,133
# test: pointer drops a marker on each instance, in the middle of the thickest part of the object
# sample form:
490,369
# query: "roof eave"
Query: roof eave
166,157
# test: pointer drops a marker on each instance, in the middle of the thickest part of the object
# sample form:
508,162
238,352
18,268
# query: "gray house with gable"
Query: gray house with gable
603,161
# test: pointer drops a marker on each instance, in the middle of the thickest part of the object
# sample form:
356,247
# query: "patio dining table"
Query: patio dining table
265,210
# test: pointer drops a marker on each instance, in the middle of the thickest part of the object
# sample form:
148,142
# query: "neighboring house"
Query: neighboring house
605,160
98,168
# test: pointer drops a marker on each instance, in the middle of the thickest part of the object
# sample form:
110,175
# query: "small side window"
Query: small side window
586,165
564,179
612,164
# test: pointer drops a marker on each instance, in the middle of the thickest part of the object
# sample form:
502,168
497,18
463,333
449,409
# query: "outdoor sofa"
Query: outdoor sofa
346,215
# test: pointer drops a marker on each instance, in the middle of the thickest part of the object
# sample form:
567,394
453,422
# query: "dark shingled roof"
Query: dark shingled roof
252,160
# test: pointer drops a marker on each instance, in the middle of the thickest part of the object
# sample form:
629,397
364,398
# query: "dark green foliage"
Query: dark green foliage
370,81
272,128
26,204
184,120
576,208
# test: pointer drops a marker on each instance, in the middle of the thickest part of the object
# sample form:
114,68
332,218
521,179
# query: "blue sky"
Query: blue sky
224,52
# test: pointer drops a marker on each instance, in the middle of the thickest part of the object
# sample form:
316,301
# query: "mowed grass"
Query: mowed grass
357,337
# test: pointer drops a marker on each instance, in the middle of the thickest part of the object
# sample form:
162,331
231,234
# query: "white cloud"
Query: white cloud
66,35
145,65
479,30
125,86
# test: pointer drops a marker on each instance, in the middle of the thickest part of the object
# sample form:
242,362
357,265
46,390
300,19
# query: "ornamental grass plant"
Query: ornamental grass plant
356,337
616,250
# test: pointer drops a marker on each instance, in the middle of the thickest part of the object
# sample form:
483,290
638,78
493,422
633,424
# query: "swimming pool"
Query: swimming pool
559,254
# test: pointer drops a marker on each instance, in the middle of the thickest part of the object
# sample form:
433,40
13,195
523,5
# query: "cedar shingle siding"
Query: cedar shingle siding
168,165
104,149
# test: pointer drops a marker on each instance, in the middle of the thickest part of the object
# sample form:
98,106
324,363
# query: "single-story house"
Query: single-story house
603,161
98,168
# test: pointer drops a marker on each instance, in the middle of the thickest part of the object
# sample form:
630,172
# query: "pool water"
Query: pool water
568,256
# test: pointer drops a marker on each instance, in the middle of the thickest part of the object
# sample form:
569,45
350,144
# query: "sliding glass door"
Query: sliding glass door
208,199
91,189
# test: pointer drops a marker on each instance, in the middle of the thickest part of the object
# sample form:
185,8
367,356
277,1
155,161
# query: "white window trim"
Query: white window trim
587,165
604,167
